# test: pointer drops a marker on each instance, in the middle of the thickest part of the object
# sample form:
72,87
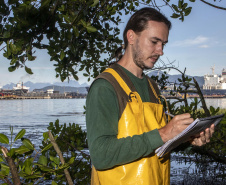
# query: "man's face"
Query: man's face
148,45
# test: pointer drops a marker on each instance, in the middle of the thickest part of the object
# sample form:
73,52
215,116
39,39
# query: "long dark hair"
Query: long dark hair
139,21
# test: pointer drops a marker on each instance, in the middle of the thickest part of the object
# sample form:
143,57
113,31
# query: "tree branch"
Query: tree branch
57,149
12,166
201,98
218,7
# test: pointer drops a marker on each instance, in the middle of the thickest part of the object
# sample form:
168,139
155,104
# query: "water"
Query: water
218,102
35,115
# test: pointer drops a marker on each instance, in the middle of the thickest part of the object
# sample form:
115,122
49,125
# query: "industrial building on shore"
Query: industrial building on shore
215,82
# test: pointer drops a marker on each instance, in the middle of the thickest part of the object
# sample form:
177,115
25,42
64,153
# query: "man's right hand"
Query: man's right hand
175,126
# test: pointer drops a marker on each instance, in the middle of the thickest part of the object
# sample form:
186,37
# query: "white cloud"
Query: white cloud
192,42
204,46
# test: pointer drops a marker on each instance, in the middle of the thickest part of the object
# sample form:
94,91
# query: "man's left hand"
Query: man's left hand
204,137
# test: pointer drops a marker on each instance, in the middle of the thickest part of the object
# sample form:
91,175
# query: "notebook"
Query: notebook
199,125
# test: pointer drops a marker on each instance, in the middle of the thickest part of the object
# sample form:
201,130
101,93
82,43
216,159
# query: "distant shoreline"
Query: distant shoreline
14,97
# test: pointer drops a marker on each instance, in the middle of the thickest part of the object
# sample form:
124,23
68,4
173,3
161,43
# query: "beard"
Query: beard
138,57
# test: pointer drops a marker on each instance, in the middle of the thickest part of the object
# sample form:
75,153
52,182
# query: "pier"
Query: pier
52,96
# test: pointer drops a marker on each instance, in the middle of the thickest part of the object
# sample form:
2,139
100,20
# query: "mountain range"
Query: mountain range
75,86
71,83
174,78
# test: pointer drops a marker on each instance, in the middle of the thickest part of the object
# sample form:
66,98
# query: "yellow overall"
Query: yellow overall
138,117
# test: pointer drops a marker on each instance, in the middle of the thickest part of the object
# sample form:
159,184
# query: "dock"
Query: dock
58,96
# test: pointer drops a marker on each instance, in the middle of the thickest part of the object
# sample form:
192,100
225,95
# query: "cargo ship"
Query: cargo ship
215,84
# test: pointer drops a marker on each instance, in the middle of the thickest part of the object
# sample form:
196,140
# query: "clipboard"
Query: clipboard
197,126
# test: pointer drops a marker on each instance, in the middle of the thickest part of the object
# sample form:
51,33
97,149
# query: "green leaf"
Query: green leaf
67,19
179,80
27,143
175,15
91,29
184,6
12,68
45,3
51,158
212,109
4,139
6,34
53,183
62,55
13,61
1,159
45,136
30,57
28,70
71,160
42,160
28,166
180,3
95,2
33,176
13,48
83,23
76,32
192,1
11,152
75,77
20,134
5,169
187,11
47,147
45,168
22,149
175,8
56,160
62,8
85,74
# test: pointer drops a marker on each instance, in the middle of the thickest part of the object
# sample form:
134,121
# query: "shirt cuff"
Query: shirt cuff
155,139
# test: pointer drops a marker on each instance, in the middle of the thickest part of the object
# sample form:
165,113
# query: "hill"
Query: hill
74,86
174,78
71,83
63,89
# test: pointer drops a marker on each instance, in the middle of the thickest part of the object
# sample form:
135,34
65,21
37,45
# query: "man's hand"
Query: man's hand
204,137
175,126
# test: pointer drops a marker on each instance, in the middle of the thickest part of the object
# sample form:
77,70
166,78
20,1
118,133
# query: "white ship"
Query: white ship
215,81
20,86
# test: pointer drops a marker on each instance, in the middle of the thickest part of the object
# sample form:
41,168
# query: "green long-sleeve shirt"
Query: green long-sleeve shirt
102,116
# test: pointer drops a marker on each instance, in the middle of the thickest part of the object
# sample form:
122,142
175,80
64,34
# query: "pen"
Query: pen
171,115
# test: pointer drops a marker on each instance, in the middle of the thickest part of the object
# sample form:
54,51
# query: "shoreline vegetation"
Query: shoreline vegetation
77,161
43,164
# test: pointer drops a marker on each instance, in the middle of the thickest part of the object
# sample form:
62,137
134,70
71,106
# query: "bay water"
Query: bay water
34,115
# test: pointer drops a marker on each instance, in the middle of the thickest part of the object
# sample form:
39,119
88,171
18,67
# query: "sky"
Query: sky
198,43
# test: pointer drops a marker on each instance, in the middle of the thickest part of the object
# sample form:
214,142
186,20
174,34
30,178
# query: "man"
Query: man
125,119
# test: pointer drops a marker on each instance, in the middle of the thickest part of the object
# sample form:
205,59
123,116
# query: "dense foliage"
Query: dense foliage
22,163
210,158
79,35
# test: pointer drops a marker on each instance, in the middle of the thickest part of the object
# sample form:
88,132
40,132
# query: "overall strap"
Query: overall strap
121,83
124,77
122,96
124,87
158,98
153,94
